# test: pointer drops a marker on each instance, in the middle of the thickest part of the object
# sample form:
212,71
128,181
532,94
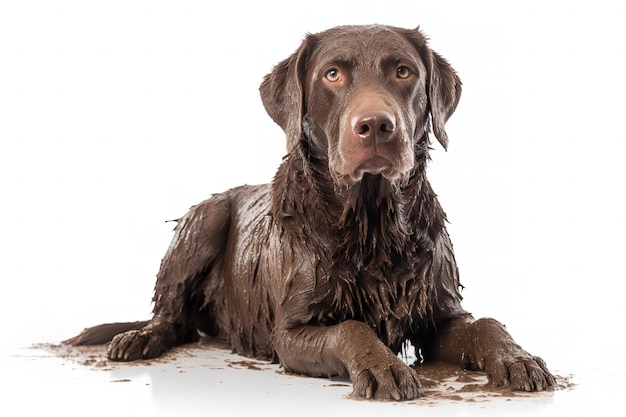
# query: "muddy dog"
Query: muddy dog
343,260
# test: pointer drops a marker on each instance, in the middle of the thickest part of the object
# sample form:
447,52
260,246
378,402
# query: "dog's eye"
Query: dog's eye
403,72
333,75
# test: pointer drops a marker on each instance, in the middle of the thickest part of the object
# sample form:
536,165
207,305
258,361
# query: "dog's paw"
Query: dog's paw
521,372
136,344
504,361
395,381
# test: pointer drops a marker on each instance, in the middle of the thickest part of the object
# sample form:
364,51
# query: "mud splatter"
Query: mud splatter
246,364
441,382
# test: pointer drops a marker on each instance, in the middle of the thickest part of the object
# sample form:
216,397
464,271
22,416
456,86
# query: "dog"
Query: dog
343,260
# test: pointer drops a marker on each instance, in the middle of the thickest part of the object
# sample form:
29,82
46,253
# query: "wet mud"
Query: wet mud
441,382
445,382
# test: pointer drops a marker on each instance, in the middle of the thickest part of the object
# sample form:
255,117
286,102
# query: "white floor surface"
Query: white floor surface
201,380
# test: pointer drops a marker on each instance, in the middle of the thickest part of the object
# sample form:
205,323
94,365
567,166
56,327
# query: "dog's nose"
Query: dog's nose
377,126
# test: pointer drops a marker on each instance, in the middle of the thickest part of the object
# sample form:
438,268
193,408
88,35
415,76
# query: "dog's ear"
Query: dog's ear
444,93
282,93
443,85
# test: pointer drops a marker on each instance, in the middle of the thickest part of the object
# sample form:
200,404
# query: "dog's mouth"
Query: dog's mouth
374,165
353,159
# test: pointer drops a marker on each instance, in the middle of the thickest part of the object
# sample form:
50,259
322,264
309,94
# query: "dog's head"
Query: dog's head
363,96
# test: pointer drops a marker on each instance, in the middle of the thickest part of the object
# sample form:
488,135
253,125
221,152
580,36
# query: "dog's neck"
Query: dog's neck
373,224
370,219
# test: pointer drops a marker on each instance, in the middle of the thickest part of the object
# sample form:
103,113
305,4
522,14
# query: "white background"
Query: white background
116,116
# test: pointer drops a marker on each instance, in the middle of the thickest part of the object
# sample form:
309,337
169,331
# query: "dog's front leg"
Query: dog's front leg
348,348
485,344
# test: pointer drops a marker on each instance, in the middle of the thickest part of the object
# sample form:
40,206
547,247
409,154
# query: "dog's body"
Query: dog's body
344,258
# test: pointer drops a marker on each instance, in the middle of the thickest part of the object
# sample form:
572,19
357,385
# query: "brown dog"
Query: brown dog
344,259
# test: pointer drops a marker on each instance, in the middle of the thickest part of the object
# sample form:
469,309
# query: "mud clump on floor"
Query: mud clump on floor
440,381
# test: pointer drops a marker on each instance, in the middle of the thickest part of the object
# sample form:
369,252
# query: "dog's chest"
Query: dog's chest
391,299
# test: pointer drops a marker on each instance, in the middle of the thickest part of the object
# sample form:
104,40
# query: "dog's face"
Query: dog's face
362,96
365,96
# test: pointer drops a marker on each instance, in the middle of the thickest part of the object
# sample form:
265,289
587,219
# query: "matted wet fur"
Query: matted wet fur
344,259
